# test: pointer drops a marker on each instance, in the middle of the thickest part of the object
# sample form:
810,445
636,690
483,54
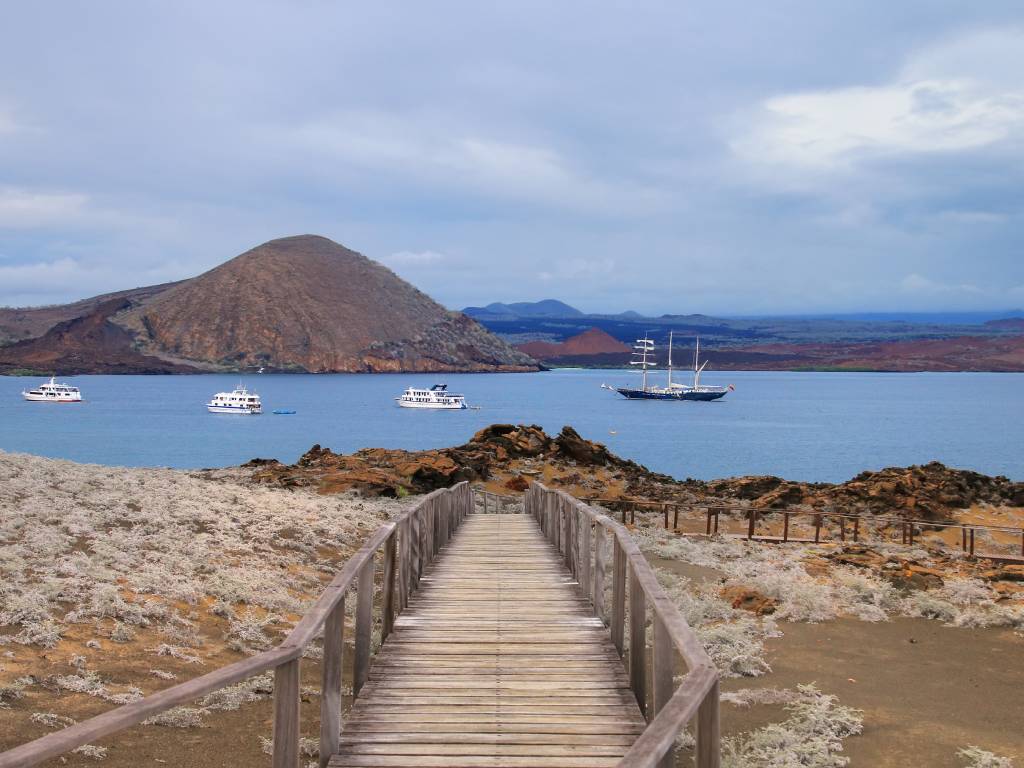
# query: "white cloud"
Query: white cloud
22,208
578,268
428,151
921,285
948,98
415,258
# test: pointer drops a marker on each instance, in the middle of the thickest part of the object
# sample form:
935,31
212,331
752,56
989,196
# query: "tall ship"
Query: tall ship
643,356
437,398
240,401
53,392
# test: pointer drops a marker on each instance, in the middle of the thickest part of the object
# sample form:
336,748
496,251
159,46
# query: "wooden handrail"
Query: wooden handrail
421,533
578,532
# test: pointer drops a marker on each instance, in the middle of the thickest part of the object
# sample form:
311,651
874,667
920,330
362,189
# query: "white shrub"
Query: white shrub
977,757
810,737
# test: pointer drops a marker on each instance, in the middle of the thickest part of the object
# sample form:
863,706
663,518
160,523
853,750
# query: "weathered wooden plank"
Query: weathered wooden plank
330,688
364,625
286,715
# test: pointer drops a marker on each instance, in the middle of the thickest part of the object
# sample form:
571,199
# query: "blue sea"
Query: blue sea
802,426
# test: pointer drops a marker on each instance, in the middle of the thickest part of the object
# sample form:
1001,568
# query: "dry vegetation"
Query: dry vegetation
116,582
798,583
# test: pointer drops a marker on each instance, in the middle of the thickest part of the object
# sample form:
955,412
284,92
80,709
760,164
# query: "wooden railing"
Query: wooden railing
850,525
579,533
409,544
495,503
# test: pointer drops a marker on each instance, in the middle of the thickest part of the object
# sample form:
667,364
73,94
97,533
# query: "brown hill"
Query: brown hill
586,344
296,304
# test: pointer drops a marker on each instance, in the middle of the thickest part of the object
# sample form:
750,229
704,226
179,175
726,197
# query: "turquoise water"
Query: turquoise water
804,426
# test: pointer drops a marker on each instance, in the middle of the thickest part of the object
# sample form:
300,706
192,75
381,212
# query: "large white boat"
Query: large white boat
52,392
437,397
240,400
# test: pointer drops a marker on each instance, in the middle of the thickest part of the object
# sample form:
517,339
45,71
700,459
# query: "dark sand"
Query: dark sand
922,700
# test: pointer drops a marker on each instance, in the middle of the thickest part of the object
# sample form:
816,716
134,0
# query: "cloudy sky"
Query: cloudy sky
721,157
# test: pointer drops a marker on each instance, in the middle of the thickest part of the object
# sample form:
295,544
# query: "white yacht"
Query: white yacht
240,400
52,392
437,397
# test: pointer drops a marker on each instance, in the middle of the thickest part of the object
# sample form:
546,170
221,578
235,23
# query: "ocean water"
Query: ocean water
803,426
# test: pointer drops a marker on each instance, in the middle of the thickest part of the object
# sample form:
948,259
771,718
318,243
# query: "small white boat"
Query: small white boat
52,392
437,397
240,400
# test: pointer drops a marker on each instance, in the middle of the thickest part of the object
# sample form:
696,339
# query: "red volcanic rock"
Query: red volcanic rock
592,342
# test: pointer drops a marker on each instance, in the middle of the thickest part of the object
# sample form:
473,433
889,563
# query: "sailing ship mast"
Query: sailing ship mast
696,369
670,359
643,348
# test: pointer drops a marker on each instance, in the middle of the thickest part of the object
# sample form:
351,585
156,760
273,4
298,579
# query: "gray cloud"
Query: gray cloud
713,157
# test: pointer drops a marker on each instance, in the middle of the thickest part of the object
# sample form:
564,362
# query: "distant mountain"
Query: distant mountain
1007,324
589,343
545,308
296,304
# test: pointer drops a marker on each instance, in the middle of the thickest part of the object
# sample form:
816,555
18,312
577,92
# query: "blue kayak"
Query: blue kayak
283,412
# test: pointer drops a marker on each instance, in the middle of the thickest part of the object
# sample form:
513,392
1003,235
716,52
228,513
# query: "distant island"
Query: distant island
297,304
558,334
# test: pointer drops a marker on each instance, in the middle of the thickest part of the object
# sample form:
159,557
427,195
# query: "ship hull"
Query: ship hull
640,394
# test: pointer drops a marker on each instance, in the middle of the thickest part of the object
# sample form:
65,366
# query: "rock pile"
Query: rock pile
497,449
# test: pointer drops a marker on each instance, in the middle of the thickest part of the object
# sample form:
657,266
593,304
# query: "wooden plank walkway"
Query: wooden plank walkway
497,662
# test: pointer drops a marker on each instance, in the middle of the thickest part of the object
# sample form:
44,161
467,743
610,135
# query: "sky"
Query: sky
719,157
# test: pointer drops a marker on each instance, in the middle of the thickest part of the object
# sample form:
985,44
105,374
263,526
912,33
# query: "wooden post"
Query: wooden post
708,748
632,514
388,608
752,514
972,543
856,528
330,687
717,513
1022,542
364,623
585,542
286,715
817,528
708,531
963,539
675,517
662,679
903,532
599,569
664,508
637,640
618,628
842,528
785,526
910,527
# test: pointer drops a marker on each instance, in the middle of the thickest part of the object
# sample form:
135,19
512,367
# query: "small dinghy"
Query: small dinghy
282,412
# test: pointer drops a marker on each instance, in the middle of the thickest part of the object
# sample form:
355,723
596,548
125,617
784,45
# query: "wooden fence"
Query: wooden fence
579,532
409,543
850,526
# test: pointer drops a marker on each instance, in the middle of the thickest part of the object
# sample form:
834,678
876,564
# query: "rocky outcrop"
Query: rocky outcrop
506,449
926,492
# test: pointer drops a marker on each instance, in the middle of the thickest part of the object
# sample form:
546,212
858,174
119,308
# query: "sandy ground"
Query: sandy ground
926,689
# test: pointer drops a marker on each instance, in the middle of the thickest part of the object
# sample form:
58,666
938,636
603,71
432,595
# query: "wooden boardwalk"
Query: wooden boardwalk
497,661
